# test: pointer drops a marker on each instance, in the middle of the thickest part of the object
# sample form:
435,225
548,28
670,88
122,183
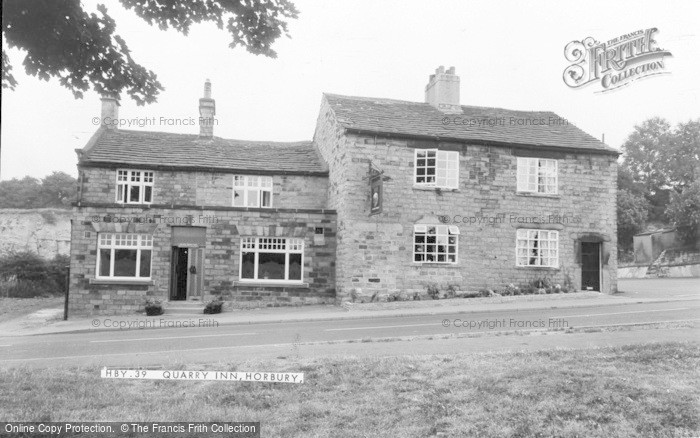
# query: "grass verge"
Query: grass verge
633,391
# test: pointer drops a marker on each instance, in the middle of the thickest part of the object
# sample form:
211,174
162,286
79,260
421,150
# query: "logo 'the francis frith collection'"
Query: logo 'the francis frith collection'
614,63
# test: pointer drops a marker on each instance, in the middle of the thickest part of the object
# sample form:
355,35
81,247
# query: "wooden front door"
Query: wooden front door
195,275
590,266
178,273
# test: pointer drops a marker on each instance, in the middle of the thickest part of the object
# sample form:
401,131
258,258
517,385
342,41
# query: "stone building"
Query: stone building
389,197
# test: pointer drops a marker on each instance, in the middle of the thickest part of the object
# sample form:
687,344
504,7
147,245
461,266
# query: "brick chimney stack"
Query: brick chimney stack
442,90
207,110
110,112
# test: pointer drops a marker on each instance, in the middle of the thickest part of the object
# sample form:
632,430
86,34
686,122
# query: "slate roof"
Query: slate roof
183,151
421,120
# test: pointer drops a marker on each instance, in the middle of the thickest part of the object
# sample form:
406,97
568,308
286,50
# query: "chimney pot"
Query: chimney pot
207,89
207,110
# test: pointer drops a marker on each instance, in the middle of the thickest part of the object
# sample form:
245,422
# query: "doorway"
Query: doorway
179,276
187,263
186,273
590,266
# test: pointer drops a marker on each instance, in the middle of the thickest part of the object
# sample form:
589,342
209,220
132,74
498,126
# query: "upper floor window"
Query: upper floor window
134,187
271,258
537,175
434,168
537,248
435,243
252,191
124,256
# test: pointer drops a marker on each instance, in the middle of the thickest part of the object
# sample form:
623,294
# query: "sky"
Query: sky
508,54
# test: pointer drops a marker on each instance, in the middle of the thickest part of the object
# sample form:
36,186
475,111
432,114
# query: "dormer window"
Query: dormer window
434,168
252,191
134,186
537,175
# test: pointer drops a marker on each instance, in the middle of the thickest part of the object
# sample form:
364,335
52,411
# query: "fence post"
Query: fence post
65,304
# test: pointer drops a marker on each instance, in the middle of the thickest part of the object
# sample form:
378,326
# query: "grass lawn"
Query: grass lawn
636,391
11,308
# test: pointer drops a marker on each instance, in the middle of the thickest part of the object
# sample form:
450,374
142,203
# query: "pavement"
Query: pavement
49,321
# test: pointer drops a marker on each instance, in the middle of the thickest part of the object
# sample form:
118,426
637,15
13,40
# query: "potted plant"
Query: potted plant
153,307
214,306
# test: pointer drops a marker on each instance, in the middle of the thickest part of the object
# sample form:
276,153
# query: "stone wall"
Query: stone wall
375,252
333,147
224,228
207,189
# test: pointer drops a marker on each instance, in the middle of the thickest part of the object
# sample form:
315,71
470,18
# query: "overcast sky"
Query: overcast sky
509,54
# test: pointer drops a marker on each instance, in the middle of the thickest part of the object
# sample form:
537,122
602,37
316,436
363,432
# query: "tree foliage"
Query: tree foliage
56,190
684,212
61,40
26,275
632,212
660,160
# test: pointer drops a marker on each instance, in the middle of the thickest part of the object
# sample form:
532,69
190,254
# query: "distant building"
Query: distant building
389,196
649,245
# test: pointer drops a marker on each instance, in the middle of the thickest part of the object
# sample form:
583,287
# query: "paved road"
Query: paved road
234,342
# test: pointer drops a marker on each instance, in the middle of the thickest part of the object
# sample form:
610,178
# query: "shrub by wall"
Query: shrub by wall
26,275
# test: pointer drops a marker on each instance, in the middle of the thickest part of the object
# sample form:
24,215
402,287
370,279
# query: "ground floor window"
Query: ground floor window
124,256
435,243
537,248
271,258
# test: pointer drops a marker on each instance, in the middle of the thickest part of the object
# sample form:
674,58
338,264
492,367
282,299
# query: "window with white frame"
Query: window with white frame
124,256
252,191
537,248
134,187
435,243
271,259
434,168
537,175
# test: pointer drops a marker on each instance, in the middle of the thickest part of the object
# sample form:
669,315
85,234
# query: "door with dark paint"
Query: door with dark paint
590,266
178,283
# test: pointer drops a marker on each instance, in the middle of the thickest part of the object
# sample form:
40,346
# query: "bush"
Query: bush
433,291
214,306
451,291
153,307
26,275
485,292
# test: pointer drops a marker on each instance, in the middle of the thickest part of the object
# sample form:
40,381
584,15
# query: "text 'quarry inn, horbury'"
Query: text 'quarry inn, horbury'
389,197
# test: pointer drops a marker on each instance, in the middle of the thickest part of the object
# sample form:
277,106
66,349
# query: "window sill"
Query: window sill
145,282
265,207
435,189
257,283
538,268
436,264
539,195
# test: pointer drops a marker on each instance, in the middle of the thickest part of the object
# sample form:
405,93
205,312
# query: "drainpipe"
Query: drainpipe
65,303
